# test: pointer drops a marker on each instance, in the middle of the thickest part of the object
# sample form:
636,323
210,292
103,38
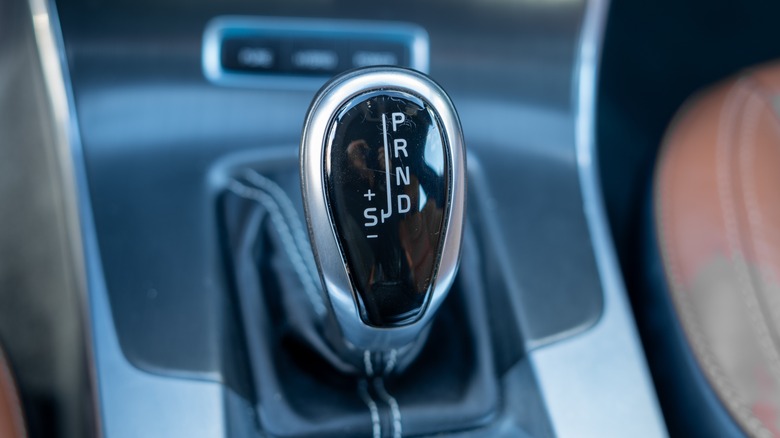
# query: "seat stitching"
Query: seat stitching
699,343
748,289
747,150
724,146
747,153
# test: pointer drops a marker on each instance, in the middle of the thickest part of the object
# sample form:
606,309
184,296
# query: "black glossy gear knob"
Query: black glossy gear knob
383,178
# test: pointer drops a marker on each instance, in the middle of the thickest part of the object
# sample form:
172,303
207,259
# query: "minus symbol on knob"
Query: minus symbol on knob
372,236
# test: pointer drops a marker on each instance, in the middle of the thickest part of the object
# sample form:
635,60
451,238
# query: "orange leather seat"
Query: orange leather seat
717,216
11,421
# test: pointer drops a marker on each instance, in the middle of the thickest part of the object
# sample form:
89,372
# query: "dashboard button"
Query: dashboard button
367,53
313,57
250,54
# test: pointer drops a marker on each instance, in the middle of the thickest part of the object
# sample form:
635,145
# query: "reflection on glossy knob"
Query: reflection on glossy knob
383,179
387,184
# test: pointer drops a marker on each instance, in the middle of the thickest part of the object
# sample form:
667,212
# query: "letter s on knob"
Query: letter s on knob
383,179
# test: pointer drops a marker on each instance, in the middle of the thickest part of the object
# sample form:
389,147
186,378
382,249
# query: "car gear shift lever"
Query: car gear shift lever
383,180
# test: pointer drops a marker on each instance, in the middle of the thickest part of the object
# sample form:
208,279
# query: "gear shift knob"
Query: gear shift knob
383,180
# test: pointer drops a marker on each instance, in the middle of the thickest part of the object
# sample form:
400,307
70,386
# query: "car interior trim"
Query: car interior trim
181,406
610,352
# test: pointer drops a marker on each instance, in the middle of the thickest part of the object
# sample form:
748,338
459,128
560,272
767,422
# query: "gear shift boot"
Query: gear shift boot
452,385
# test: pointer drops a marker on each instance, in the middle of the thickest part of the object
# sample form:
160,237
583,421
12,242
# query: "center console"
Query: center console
211,313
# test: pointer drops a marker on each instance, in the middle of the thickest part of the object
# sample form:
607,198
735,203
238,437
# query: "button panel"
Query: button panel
298,53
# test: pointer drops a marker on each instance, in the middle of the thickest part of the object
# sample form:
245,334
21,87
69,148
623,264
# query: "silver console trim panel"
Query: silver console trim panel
133,403
323,236
596,384
414,36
